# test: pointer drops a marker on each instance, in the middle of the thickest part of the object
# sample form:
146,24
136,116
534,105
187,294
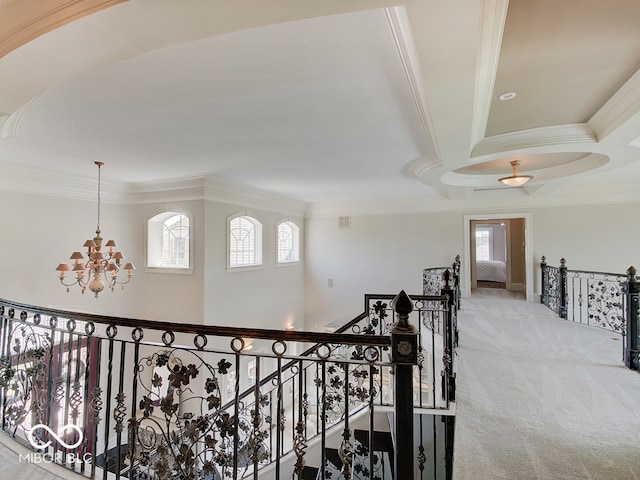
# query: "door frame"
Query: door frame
528,249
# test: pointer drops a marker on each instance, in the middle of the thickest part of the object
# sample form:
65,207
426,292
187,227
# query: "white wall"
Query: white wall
598,238
378,254
40,232
162,295
386,253
270,296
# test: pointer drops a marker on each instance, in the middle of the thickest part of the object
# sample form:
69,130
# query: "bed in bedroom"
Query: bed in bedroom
491,271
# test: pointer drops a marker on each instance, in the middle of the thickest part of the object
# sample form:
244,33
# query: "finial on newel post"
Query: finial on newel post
403,306
446,276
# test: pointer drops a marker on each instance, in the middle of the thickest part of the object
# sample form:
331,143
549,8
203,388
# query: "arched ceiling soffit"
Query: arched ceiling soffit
24,20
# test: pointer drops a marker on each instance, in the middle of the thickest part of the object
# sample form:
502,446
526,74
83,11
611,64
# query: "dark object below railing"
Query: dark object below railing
605,300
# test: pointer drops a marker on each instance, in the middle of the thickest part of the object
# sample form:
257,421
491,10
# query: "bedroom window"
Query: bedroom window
288,242
484,244
245,242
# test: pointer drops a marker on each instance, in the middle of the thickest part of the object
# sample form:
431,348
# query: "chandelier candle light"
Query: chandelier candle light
515,180
102,268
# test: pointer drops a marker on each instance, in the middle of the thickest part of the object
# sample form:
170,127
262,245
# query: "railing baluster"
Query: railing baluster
120,410
279,408
133,425
372,424
107,422
86,444
94,404
5,338
256,416
323,420
236,418
346,449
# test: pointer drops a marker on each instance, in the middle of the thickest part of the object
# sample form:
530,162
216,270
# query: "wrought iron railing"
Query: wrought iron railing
107,397
433,280
600,299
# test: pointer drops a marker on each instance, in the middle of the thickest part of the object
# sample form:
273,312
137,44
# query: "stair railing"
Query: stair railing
600,299
104,395
433,315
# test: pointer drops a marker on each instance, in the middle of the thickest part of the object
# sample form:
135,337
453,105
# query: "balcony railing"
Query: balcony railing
112,397
600,299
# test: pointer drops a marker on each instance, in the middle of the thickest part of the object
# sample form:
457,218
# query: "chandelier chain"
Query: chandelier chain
99,164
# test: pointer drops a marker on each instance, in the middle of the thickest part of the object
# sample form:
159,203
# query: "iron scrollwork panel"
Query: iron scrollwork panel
183,434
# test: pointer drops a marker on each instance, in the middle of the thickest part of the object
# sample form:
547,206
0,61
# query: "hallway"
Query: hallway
540,397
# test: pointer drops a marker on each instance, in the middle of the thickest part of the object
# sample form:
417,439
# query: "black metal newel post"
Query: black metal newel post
563,288
543,280
404,355
456,280
448,329
632,291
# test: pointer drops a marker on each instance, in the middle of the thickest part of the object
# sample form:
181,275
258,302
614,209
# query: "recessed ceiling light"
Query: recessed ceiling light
507,96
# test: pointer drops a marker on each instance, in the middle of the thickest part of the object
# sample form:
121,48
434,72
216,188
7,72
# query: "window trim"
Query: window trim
258,244
179,270
489,231
296,243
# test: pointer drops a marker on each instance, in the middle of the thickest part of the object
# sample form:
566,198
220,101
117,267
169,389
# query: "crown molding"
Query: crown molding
36,181
494,15
483,200
9,124
405,45
160,191
620,108
202,188
544,137
219,191
25,179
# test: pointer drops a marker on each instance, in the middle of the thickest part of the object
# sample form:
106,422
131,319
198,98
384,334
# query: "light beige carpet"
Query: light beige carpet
541,398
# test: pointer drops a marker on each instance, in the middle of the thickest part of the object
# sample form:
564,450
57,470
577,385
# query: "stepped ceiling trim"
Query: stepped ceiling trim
403,38
494,15
620,109
555,137
308,105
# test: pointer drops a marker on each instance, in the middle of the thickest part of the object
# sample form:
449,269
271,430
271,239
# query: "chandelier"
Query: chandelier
101,269
515,180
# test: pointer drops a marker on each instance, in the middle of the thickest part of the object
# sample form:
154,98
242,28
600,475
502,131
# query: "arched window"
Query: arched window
169,240
288,242
245,242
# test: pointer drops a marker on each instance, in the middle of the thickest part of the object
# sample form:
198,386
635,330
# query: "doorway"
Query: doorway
503,243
